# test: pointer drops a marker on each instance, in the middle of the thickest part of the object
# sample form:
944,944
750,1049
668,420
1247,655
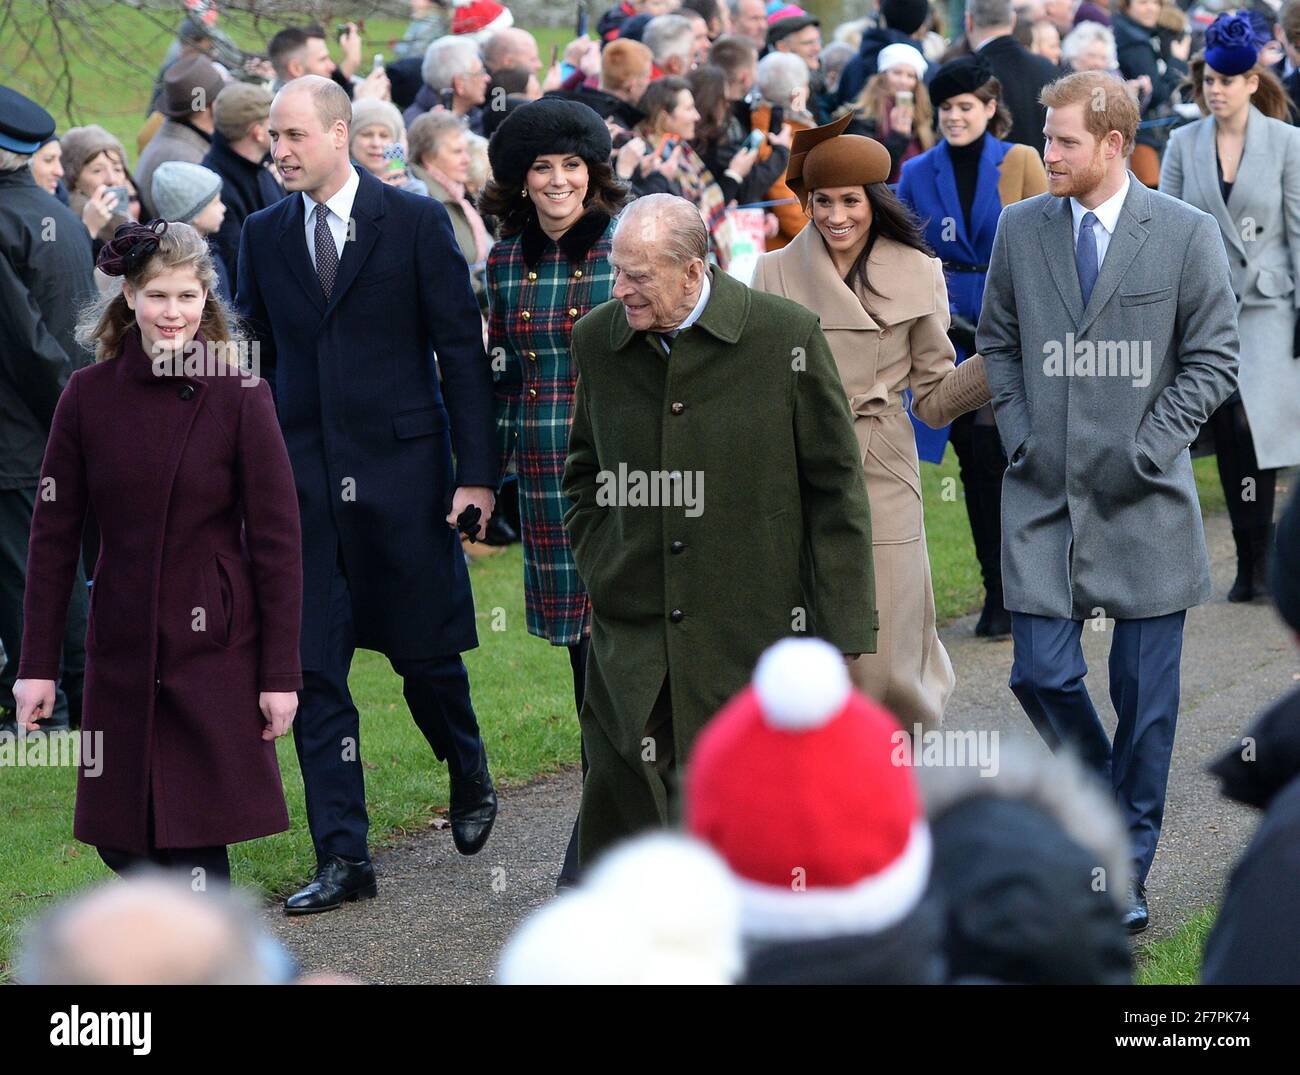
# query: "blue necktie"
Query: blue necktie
1085,257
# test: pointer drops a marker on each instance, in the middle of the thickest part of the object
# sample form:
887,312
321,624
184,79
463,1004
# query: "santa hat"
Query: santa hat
800,784
480,18
661,909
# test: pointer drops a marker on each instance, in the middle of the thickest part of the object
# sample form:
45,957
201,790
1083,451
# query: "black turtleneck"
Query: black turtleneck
966,171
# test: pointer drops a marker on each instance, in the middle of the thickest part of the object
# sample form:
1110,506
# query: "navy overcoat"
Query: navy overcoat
369,423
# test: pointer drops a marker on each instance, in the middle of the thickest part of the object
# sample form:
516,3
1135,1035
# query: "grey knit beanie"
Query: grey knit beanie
182,190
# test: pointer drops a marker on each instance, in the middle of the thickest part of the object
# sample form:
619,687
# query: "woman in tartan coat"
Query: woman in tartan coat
555,194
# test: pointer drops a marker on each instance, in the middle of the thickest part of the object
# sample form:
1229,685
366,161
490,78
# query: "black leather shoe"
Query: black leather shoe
500,532
337,881
473,810
1137,917
994,621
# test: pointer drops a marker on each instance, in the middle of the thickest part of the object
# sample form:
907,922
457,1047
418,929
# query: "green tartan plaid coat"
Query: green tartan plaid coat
537,289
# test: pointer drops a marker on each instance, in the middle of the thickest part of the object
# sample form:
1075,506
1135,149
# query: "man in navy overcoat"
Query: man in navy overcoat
350,286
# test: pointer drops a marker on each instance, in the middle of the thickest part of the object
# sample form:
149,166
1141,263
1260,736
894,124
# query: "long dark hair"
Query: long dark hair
605,191
660,97
890,218
708,85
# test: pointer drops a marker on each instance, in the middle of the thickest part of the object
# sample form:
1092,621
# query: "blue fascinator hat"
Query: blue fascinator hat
1232,44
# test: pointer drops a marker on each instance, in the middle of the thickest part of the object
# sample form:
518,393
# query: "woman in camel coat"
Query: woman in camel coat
888,333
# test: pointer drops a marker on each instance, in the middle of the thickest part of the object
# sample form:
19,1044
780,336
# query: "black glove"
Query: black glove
962,334
467,521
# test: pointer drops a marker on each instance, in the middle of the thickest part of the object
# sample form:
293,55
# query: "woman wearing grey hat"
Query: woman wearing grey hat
377,141
555,194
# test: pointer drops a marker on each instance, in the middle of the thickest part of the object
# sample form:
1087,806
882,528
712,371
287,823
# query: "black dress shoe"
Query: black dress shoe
1137,916
337,881
994,621
500,532
473,810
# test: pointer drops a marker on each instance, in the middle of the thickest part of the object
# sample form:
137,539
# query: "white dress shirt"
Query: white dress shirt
340,212
1107,214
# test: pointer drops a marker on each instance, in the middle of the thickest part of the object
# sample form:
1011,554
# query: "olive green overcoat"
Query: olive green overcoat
759,528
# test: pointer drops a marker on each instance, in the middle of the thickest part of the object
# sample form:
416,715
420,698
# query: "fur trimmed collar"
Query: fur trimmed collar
574,243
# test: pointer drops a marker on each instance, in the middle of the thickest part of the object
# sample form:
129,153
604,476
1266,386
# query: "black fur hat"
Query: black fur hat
547,125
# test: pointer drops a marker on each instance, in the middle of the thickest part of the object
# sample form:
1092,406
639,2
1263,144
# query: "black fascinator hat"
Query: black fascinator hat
131,246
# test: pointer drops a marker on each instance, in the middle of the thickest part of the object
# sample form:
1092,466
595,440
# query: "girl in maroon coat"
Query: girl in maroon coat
192,644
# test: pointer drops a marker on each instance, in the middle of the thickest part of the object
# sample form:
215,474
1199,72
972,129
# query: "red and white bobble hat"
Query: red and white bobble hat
800,785
480,18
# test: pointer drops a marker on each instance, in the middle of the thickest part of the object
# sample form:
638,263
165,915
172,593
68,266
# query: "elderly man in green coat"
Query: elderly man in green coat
688,377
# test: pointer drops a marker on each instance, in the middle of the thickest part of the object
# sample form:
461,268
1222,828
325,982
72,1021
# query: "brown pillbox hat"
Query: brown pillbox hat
826,157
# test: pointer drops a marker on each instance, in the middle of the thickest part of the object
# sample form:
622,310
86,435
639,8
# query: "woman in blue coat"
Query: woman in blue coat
958,189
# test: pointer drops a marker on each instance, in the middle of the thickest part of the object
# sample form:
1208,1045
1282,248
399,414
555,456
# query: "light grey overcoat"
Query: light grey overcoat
1261,231
1099,506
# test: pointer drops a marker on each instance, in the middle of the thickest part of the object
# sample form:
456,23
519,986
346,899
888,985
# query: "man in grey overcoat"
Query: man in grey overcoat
1109,334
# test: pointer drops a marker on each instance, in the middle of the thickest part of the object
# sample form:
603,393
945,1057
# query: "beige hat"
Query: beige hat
238,106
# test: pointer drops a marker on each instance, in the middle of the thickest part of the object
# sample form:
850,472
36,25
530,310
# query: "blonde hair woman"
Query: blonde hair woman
894,107
192,646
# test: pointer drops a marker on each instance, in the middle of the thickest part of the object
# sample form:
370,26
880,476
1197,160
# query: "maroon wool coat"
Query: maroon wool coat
197,601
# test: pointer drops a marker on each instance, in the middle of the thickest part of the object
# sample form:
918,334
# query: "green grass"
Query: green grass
1177,959
522,691
522,687
524,697
112,60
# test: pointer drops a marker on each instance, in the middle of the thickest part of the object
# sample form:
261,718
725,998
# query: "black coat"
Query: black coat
369,425
1020,897
1139,51
1146,52
605,105
1292,84
246,187
46,274
1256,938
908,953
1023,76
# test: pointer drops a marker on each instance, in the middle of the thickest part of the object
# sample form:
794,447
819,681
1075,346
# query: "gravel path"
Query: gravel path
441,918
